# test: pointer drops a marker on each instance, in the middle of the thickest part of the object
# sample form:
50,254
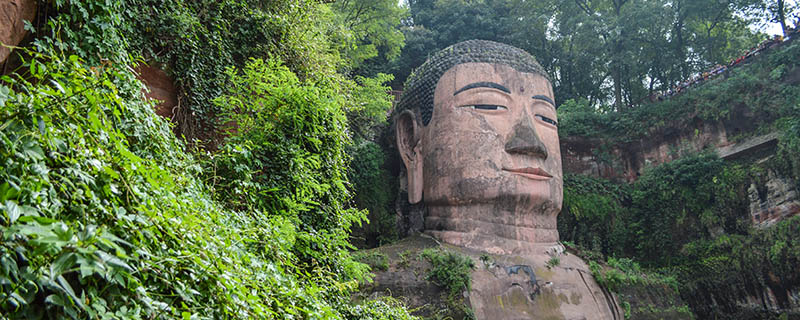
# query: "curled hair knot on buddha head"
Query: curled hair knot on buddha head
420,86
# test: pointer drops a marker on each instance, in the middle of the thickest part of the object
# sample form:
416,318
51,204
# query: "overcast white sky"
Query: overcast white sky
775,28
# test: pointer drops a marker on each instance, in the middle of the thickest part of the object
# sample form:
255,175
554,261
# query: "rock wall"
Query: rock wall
552,285
13,14
626,161
160,87
772,197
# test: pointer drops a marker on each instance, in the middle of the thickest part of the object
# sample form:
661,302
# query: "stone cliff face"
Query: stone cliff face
161,88
13,14
553,285
772,197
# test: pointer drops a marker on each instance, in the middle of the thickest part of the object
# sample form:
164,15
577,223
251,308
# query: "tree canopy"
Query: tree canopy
612,52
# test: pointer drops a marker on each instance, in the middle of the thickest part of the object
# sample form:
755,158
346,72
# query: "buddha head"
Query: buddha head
477,130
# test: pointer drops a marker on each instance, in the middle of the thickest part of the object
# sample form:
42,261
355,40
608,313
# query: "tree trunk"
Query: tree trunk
782,16
616,59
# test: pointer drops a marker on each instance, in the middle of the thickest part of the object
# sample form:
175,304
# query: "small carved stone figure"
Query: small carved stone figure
477,131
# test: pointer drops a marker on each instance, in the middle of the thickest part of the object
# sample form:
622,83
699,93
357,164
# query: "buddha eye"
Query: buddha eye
490,107
547,120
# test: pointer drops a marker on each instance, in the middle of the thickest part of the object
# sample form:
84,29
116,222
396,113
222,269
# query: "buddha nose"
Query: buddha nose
524,139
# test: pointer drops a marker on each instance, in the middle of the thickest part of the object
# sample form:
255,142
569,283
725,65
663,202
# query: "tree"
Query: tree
615,52
369,29
780,10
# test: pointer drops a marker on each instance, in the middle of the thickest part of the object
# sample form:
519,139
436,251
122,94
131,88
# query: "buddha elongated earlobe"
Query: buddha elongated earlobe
410,148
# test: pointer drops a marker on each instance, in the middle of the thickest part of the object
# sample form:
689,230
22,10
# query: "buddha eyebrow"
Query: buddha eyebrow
544,98
483,85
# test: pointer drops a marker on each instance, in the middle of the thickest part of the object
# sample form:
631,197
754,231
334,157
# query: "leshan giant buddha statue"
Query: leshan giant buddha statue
477,130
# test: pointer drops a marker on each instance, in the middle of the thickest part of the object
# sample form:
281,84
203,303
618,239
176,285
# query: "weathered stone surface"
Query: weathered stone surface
537,287
771,200
159,87
627,161
13,13
749,145
406,280
483,157
503,286
774,200
491,179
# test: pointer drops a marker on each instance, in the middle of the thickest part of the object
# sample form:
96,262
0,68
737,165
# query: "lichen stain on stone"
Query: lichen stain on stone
544,274
517,298
575,298
563,298
547,306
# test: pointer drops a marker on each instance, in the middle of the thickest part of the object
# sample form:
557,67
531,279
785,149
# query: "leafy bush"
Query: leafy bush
285,152
449,270
384,308
579,118
689,220
372,185
374,259
626,272
593,213
726,269
684,200
374,191
761,86
198,40
104,214
787,158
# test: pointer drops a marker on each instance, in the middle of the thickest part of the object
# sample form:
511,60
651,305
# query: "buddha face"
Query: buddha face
493,138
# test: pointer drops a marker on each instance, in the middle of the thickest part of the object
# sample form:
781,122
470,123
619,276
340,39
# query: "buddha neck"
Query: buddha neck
493,228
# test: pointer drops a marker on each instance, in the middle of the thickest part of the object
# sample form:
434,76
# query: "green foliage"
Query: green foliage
579,119
405,258
787,158
625,272
449,270
374,191
196,41
667,207
717,269
369,29
553,262
689,219
371,182
92,30
761,87
374,259
104,214
672,204
285,154
593,213
384,308
372,102
626,306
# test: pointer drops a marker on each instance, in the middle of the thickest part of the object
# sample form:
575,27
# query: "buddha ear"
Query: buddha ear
408,144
